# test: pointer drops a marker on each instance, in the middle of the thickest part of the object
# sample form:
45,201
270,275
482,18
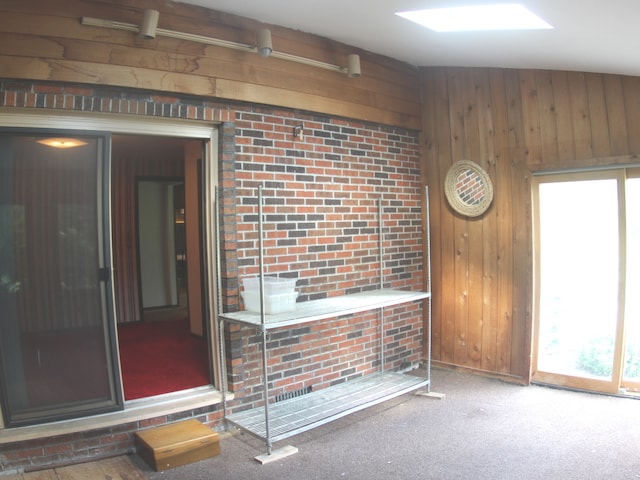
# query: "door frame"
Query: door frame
613,385
196,130
629,386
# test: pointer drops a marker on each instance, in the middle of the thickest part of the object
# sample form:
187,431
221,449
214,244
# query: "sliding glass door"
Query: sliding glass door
584,272
631,371
56,328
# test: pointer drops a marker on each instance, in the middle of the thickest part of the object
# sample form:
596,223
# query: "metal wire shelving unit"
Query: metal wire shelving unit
273,422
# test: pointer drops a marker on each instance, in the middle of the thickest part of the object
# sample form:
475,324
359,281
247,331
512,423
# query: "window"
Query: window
586,262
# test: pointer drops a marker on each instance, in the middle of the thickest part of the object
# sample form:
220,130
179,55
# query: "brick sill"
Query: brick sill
134,411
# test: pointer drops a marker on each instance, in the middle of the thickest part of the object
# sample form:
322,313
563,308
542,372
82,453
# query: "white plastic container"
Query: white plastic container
279,294
279,303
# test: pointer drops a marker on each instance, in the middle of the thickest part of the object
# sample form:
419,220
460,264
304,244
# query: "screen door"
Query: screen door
56,325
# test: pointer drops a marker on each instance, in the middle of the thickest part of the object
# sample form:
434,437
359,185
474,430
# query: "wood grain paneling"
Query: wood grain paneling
44,40
513,123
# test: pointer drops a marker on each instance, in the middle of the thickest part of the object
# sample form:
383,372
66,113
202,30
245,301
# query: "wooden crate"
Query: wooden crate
177,444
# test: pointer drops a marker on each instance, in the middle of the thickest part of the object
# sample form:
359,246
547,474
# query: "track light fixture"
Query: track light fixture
149,24
353,66
263,42
148,29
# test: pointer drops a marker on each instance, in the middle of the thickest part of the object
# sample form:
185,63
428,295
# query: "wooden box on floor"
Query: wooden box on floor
177,444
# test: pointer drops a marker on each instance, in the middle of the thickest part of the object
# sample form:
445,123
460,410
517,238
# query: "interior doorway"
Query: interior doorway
587,246
161,243
159,281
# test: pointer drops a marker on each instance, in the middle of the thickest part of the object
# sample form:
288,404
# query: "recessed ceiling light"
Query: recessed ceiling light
477,17
62,142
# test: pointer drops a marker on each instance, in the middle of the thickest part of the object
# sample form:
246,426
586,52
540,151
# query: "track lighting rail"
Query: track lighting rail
148,29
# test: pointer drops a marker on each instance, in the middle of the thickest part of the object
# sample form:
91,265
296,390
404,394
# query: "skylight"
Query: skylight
477,17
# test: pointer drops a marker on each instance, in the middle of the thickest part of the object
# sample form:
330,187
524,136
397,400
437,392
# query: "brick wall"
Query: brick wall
321,226
46,96
320,202
90,445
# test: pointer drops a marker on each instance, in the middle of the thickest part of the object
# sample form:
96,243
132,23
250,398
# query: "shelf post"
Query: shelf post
380,242
263,330
380,253
428,272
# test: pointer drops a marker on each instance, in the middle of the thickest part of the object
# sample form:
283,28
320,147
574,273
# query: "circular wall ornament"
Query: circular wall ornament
468,188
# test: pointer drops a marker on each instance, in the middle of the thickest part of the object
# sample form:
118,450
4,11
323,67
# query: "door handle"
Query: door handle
104,274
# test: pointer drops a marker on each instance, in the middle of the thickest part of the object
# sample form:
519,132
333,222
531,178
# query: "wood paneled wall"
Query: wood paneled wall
513,123
44,40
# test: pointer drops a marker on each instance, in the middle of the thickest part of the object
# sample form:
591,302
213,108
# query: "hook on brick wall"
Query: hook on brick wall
298,132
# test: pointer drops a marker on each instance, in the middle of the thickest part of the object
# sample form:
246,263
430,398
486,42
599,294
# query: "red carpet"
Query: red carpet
161,357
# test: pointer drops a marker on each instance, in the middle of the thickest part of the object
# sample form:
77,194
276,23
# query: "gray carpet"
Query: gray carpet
483,429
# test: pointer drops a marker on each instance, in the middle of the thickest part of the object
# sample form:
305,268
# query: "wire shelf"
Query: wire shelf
296,415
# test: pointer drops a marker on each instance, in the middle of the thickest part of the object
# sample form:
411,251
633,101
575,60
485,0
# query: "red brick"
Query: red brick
78,91
57,448
24,454
45,88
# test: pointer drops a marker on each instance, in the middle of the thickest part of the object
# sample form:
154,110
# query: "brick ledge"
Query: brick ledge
134,411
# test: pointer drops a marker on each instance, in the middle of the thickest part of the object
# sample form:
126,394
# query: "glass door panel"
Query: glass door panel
631,370
578,279
57,354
